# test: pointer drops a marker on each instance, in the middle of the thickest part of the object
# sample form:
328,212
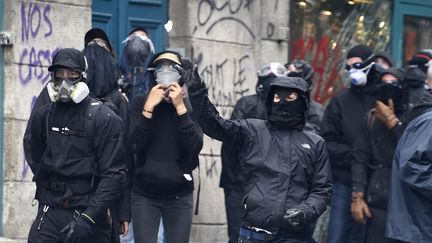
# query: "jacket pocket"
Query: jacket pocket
257,205
165,176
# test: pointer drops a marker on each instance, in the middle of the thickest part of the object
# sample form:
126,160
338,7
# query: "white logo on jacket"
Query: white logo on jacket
305,145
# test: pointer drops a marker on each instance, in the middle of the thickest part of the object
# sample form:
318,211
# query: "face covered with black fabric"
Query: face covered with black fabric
137,49
288,109
391,88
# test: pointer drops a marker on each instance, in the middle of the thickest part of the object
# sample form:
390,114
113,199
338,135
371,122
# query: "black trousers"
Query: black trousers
55,219
375,228
176,214
234,211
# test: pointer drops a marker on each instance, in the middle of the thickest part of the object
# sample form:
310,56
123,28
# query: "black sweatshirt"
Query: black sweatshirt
166,148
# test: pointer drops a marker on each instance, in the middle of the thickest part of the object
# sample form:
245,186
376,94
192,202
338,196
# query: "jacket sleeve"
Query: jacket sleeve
417,170
34,141
361,158
123,206
111,169
209,119
240,110
191,137
140,126
320,189
338,149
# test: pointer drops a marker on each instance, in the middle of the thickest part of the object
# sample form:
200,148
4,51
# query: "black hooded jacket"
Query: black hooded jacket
166,148
253,106
375,147
342,124
282,169
102,77
76,158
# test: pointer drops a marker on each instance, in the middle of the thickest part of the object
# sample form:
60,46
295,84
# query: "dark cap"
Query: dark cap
361,51
385,56
69,58
420,59
139,28
395,71
96,33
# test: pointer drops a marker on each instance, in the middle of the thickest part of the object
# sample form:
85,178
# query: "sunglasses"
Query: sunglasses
357,65
393,82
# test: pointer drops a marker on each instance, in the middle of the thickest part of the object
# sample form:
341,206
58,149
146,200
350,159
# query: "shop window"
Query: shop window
322,31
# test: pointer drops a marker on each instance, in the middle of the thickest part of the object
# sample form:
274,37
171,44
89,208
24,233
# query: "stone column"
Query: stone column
40,28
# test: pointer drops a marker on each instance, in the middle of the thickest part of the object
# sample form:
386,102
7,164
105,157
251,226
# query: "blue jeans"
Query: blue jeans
342,227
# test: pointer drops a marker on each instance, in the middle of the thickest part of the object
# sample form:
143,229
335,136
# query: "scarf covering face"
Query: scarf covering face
102,72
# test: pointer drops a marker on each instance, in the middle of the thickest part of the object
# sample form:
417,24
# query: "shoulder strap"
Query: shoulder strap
93,107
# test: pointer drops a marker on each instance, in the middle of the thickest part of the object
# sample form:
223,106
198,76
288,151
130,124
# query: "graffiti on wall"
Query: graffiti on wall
32,60
211,13
323,62
36,28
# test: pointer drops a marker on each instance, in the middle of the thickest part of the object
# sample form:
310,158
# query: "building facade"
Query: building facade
228,40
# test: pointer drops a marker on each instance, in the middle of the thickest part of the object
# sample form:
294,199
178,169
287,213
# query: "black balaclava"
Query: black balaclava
386,57
287,115
96,33
394,91
137,51
102,70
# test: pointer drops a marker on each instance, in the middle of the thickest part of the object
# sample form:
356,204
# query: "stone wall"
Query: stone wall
228,40
40,28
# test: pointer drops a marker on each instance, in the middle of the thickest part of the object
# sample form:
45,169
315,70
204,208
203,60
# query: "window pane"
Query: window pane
321,32
417,35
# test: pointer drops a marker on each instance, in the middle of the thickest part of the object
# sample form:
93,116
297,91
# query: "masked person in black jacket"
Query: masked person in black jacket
251,106
340,127
167,143
102,81
137,54
74,146
314,116
287,179
373,155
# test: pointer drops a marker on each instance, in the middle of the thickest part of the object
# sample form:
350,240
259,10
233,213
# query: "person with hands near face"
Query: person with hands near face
374,149
167,143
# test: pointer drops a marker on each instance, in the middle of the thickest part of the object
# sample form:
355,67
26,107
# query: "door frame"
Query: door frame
419,8
1,120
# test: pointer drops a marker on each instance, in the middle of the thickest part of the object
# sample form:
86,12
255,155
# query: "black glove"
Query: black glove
79,229
294,218
190,75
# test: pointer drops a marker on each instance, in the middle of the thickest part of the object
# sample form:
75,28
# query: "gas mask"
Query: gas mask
266,74
67,89
167,75
358,75
137,49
